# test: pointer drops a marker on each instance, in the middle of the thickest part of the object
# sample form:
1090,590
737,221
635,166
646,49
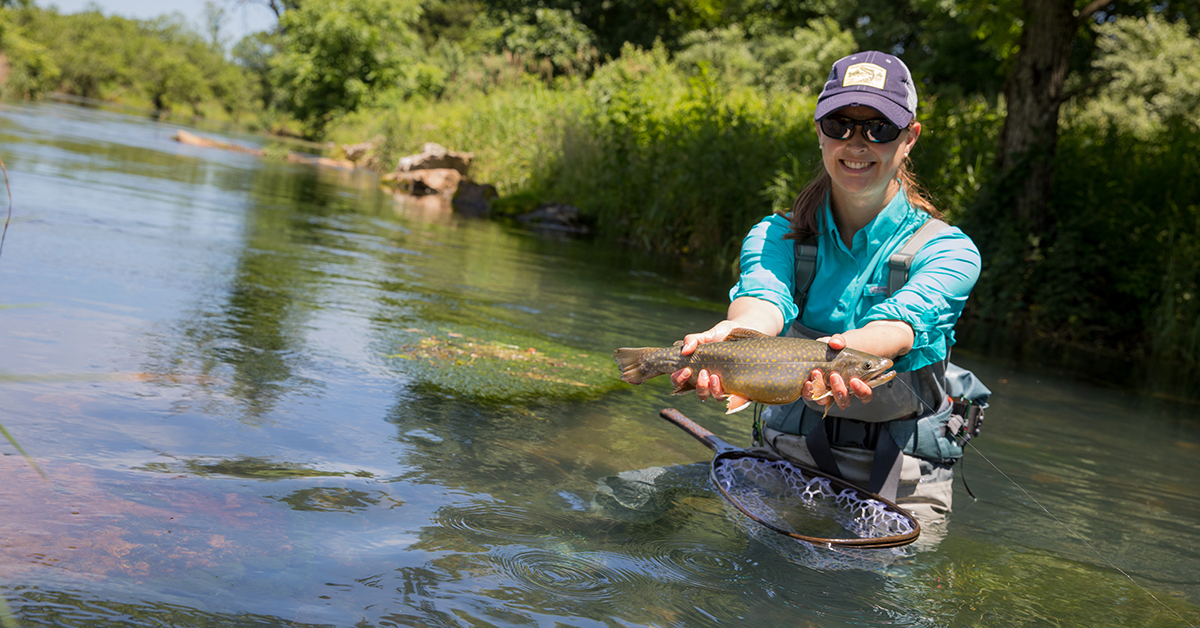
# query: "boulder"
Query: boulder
474,199
356,152
440,181
363,154
436,157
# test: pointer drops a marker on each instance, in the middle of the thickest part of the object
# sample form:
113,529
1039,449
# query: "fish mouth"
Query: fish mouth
882,378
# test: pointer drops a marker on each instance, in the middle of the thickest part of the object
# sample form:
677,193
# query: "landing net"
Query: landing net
795,501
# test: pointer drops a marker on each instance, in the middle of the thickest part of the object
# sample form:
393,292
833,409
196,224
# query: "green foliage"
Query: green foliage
551,41
676,163
333,53
1153,67
253,54
160,63
796,61
31,70
956,149
450,20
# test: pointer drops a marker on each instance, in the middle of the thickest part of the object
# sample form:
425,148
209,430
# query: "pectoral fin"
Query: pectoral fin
686,387
736,403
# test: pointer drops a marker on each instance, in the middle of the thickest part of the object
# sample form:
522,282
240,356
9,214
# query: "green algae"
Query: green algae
504,367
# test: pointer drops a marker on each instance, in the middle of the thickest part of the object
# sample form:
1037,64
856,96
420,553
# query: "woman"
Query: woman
860,210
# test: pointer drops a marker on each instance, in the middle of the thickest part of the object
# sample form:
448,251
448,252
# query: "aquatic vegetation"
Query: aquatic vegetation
248,467
504,368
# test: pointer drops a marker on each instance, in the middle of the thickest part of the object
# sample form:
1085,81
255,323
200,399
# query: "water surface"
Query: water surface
227,368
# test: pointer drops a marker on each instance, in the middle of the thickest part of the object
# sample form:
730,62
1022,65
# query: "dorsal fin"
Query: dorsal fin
742,333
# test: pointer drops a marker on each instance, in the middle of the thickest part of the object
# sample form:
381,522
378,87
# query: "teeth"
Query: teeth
857,165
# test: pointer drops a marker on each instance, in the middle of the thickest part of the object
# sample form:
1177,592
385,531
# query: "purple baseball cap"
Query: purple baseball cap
870,79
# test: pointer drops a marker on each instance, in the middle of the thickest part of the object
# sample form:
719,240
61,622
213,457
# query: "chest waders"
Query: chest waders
920,419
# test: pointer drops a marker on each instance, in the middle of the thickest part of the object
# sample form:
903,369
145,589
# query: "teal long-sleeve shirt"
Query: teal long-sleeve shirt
850,284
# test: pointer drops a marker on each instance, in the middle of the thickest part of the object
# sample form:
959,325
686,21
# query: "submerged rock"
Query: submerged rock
191,139
556,217
474,199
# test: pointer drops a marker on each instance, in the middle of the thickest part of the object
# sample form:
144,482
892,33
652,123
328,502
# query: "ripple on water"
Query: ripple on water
491,521
566,573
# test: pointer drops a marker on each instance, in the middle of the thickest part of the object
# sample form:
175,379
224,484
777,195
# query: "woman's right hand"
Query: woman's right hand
707,385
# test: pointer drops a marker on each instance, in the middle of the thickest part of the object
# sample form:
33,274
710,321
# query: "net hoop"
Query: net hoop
907,529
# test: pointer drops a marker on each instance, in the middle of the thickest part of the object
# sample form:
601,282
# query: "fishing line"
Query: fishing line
1059,521
1080,538
9,216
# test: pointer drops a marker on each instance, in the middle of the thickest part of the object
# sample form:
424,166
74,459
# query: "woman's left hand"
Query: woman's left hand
840,388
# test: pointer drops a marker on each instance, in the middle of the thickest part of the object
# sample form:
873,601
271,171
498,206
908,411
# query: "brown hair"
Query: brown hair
804,210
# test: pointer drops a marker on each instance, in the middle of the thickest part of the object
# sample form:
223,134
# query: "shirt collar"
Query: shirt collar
890,222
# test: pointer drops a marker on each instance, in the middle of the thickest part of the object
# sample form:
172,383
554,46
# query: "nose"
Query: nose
858,139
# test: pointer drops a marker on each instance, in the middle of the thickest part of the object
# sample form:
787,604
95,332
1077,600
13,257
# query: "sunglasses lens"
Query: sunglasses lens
837,128
881,131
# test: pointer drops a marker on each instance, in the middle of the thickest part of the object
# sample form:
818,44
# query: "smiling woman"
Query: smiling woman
864,261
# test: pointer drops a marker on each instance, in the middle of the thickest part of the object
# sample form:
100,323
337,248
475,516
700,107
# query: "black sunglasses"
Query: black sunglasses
842,128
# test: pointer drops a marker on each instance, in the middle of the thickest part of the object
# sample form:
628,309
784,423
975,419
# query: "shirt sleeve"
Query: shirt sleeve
942,275
768,266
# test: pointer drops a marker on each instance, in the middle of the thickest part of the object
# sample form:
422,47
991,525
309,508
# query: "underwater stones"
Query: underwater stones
556,217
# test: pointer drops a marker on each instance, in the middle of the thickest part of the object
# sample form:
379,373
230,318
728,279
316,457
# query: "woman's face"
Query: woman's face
862,170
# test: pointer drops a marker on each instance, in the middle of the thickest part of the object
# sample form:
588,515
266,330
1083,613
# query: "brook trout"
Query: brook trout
755,367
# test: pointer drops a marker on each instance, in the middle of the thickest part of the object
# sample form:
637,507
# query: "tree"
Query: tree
333,54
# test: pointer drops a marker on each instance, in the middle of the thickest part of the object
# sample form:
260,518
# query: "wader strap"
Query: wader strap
885,468
806,269
817,442
901,261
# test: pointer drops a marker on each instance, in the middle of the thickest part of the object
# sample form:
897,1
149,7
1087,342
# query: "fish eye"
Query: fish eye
868,365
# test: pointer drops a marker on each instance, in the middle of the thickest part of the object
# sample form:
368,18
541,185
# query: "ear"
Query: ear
914,131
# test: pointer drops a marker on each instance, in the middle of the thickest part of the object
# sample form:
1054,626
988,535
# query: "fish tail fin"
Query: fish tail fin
639,365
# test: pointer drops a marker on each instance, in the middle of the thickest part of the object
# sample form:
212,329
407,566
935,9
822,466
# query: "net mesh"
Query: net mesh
786,497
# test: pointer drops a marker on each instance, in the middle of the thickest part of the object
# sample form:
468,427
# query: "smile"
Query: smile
857,165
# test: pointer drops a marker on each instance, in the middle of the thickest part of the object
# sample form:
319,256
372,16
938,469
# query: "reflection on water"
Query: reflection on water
220,367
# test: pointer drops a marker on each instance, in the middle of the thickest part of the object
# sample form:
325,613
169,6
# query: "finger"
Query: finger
681,376
690,342
840,393
702,385
714,386
837,342
861,390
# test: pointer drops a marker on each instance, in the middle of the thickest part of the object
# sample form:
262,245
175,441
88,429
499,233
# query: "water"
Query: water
229,371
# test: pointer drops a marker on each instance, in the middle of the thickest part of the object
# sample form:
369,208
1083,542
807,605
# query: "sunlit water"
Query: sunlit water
211,358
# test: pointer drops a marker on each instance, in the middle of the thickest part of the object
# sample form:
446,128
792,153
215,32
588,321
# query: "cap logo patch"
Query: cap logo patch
867,74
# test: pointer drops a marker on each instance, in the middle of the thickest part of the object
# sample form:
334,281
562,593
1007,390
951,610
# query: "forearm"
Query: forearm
887,338
755,314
